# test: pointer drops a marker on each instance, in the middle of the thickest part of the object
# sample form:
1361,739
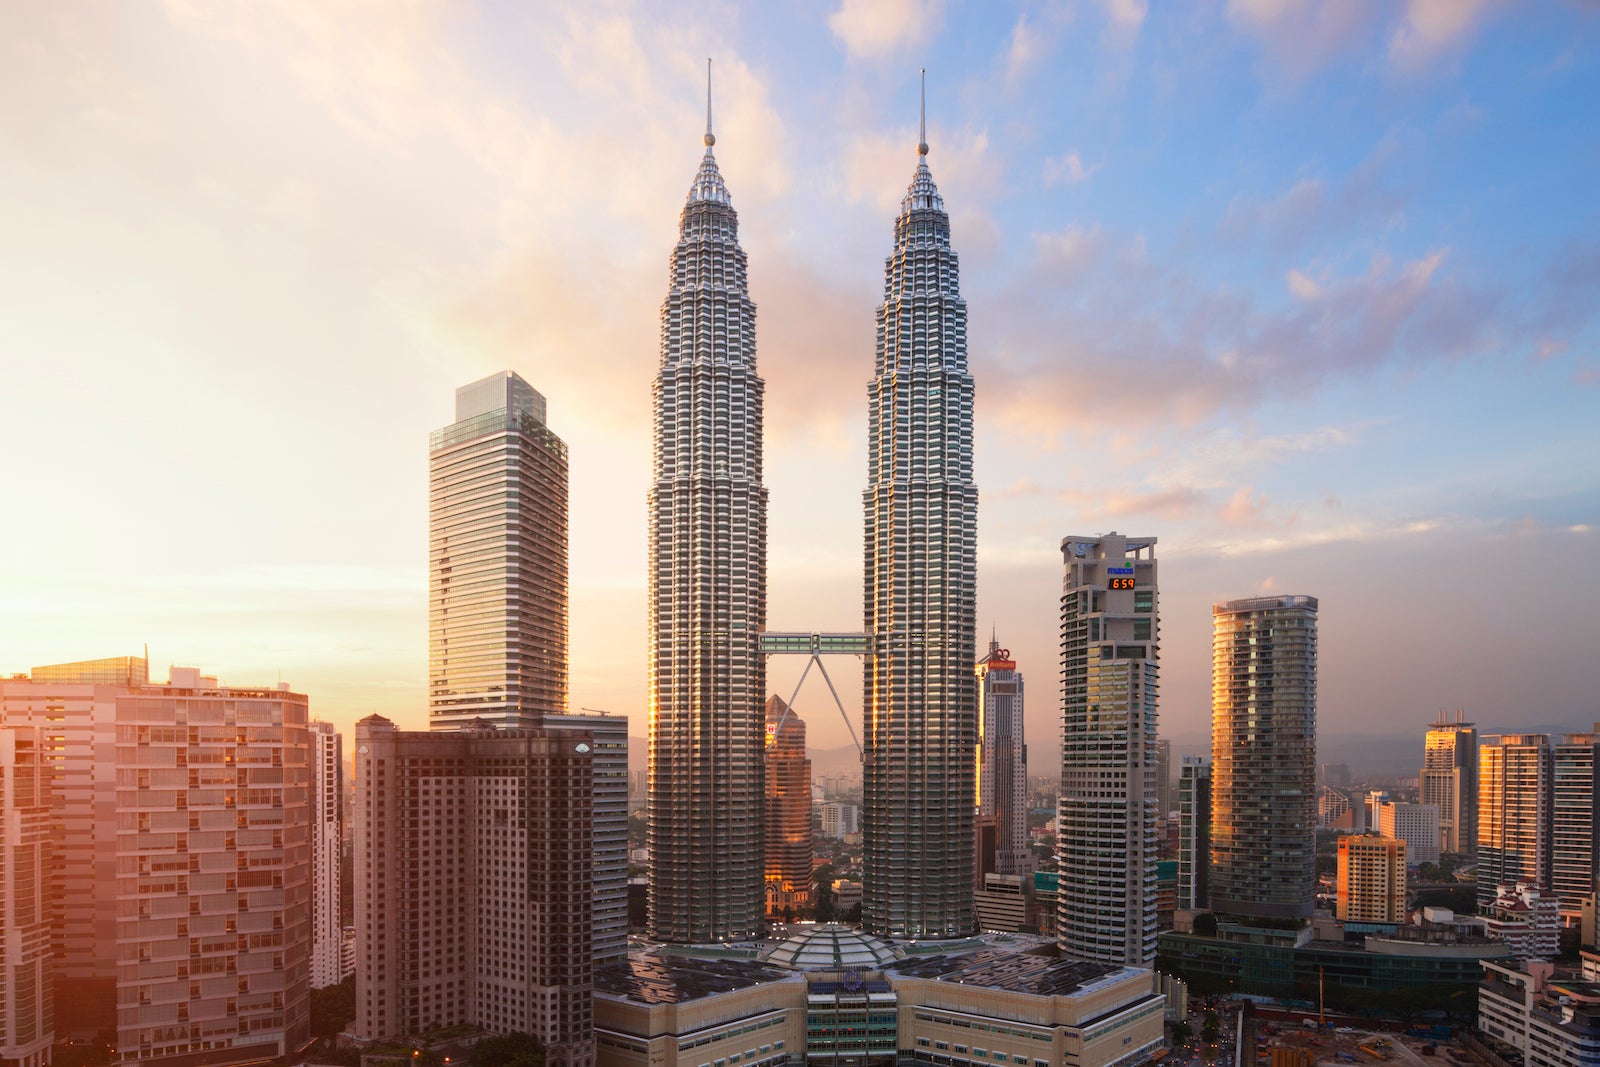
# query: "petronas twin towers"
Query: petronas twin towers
708,559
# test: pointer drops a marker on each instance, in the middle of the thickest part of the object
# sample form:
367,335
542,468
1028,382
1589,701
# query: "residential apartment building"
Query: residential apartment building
1371,879
1526,918
1551,1022
27,967
1415,824
1194,833
1514,818
474,884
1575,822
327,856
1264,752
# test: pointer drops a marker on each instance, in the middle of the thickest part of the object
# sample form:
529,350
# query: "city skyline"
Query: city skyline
262,250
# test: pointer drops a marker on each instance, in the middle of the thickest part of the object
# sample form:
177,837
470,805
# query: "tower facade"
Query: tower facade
1514,798
1264,757
497,559
919,694
327,852
1106,836
474,877
1575,820
1449,780
1003,760
27,966
1194,833
1371,877
788,809
708,586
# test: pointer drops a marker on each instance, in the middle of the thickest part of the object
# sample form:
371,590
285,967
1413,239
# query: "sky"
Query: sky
1309,291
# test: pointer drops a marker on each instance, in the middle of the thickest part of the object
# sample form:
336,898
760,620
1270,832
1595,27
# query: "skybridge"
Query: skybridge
816,645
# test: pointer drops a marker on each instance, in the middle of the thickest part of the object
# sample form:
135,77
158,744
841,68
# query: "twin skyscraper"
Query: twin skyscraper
708,587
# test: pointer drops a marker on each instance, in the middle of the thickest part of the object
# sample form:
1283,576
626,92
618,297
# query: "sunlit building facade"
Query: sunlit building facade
708,587
27,966
788,810
497,559
1106,836
1371,879
920,698
1264,757
1449,780
1514,823
1003,761
1575,822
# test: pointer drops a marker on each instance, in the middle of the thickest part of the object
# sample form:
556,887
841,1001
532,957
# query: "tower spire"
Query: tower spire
711,138
922,138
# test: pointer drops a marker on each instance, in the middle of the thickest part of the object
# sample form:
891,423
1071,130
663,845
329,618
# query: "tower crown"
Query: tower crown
922,194
708,186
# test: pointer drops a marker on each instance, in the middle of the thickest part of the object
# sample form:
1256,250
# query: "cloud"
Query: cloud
1365,200
1169,504
1124,20
1303,287
1432,29
1244,508
875,29
1067,170
1301,37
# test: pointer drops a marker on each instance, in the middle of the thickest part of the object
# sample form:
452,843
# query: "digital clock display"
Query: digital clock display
1122,583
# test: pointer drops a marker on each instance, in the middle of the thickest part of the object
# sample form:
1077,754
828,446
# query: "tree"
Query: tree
1211,1028
509,1050
332,1008
1181,1032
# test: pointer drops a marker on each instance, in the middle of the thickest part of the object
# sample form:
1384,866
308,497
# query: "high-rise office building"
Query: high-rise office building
27,967
919,694
1106,838
327,855
1449,779
1415,824
1194,833
183,873
1371,879
1264,757
1514,796
497,559
788,809
1574,825
708,586
1003,761
498,609
474,873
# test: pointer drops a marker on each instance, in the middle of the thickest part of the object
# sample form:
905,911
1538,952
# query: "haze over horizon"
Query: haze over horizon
1308,291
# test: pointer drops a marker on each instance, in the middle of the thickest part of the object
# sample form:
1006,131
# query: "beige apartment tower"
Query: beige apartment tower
1514,809
183,878
1372,879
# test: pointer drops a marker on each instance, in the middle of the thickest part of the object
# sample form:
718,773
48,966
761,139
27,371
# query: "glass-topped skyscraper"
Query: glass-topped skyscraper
1106,837
497,559
1264,757
708,587
920,700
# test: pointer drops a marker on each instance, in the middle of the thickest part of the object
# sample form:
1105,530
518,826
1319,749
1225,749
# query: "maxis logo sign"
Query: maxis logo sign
1120,570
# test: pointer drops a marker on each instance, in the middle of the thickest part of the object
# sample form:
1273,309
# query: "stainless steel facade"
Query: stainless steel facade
919,699
1106,837
1264,757
708,588
497,559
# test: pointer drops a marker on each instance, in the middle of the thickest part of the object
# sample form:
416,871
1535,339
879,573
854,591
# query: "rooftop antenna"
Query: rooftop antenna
922,138
711,138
